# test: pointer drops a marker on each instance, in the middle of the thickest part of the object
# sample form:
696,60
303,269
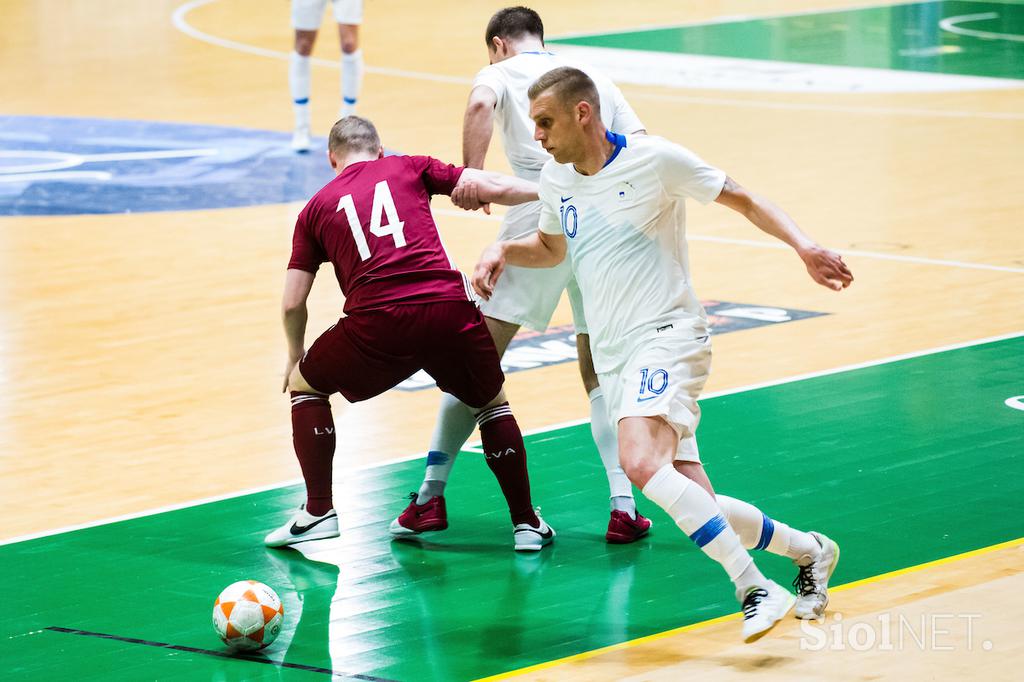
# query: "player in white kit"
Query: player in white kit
526,297
306,16
616,204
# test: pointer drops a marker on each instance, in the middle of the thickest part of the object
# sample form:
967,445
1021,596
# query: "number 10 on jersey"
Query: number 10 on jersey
570,220
383,207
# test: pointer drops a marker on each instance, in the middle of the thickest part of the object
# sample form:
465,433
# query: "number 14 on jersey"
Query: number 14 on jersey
383,207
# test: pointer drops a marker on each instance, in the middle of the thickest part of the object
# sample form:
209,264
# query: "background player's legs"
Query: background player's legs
351,68
455,424
624,524
298,81
603,432
460,354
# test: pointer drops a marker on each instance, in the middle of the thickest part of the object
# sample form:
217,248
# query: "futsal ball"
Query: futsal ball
247,615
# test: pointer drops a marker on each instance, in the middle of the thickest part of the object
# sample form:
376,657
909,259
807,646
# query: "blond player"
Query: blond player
306,16
616,204
525,297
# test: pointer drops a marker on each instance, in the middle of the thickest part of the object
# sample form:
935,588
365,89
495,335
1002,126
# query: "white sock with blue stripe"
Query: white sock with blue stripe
697,515
298,82
758,531
455,424
351,81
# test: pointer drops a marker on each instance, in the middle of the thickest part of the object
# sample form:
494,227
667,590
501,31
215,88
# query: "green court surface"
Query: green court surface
957,37
902,463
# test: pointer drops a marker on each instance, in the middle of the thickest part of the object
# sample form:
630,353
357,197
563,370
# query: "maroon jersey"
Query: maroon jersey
373,223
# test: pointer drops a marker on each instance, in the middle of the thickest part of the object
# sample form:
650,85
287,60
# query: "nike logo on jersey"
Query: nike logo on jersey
296,529
565,199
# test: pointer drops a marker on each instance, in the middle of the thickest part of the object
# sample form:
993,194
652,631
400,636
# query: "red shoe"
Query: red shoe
421,518
622,529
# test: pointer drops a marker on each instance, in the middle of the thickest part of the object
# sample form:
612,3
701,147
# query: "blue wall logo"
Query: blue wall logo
68,166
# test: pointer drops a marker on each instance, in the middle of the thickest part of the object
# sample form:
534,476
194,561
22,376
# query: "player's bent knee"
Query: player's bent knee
639,468
297,382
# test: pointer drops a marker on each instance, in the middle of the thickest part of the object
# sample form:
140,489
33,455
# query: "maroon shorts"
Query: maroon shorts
370,351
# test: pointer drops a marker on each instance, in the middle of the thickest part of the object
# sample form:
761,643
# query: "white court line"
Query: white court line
952,24
101,176
180,22
919,260
553,427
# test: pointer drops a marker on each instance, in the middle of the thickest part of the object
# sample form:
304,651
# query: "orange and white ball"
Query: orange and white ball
247,615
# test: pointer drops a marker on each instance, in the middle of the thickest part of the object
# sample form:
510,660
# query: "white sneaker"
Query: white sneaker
530,539
812,581
763,608
302,527
302,139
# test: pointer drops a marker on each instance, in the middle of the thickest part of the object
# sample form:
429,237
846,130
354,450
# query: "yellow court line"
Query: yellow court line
734,616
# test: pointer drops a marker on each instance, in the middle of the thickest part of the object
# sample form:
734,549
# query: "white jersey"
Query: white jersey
626,232
511,79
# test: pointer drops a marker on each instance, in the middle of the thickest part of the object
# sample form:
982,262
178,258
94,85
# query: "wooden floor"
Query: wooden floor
140,354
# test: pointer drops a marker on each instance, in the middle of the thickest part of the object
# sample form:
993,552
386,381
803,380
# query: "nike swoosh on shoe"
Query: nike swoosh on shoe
296,529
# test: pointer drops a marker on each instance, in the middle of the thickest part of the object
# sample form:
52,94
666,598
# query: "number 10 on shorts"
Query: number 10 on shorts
652,383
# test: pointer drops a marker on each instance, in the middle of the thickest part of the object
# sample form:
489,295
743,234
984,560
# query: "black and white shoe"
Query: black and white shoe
532,539
812,581
763,608
302,527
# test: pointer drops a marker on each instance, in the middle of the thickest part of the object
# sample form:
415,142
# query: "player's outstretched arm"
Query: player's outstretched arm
824,266
297,285
539,250
476,188
478,126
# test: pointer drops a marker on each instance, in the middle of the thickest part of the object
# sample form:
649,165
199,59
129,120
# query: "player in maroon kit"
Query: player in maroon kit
407,308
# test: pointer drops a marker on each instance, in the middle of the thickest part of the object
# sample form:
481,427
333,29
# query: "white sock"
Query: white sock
351,80
758,531
455,424
607,441
298,82
697,515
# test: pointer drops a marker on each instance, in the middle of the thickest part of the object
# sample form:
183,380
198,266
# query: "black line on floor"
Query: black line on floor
220,654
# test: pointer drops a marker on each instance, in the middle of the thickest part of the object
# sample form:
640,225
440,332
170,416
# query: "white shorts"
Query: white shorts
528,296
663,377
306,14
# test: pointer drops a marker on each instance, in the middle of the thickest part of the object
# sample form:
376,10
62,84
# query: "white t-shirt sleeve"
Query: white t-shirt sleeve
625,121
490,77
685,175
549,222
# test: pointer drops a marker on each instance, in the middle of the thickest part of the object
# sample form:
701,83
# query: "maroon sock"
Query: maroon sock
506,457
313,437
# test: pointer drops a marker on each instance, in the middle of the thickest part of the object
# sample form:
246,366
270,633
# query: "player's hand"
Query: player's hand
826,268
466,195
488,270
